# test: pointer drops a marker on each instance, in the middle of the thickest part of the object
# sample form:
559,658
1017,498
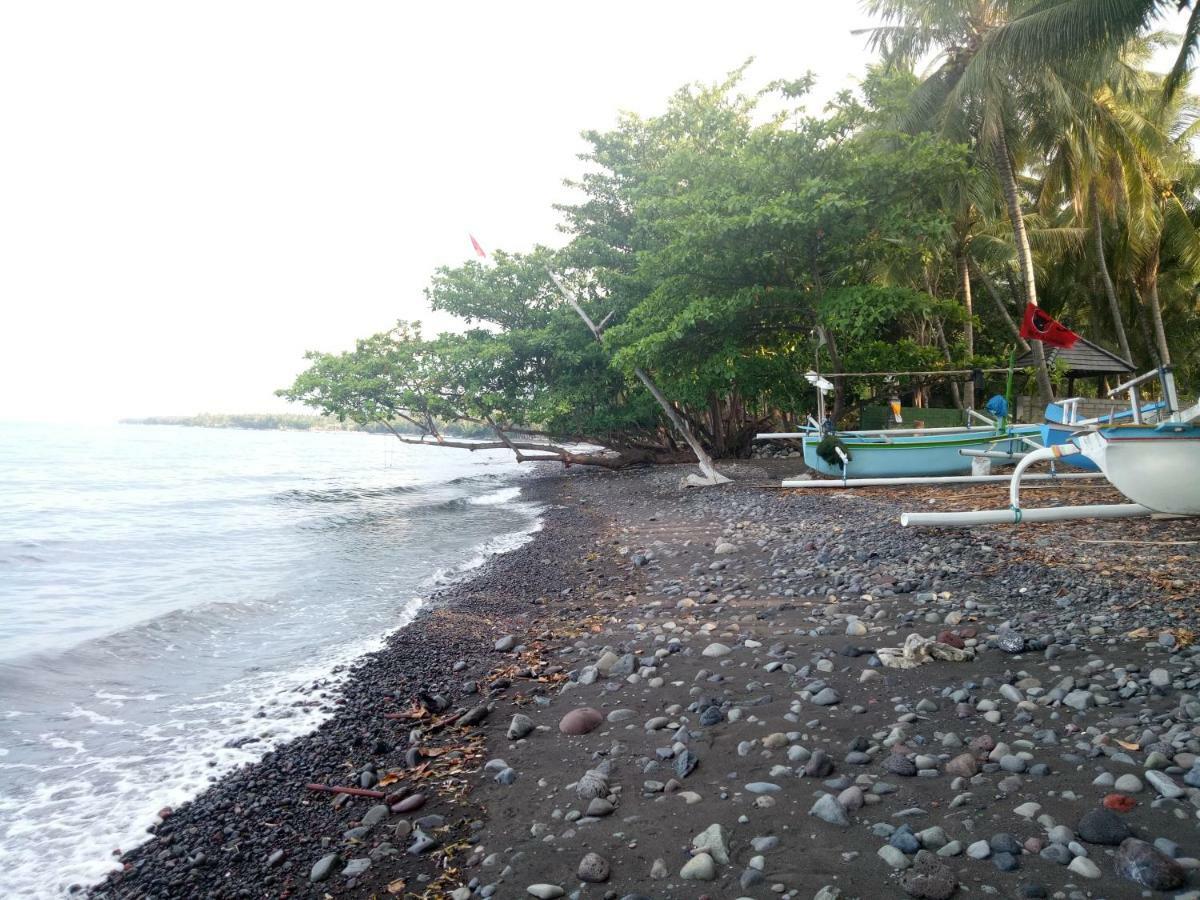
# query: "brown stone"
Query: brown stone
952,639
963,765
985,742
408,804
581,721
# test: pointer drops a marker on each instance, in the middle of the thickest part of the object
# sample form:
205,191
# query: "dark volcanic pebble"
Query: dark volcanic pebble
1100,826
593,868
1141,863
900,765
1004,843
929,878
819,765
1006,862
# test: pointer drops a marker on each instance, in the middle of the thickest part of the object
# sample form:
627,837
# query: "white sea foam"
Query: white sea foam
502,543
94,717
113,799
65,818
501,495
195,591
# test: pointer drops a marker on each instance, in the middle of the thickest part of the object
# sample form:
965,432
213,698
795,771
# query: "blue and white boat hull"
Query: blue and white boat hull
913,456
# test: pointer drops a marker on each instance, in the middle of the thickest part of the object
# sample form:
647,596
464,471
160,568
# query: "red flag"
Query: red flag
475,244
1040,326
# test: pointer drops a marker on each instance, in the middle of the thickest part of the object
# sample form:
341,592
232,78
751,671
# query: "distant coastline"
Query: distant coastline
282,422
264,421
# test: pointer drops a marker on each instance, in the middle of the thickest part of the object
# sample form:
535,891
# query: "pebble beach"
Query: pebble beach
744,691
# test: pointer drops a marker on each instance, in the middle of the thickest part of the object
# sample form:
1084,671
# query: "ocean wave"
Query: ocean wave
504,543
204,614
493,498
112,798
346,495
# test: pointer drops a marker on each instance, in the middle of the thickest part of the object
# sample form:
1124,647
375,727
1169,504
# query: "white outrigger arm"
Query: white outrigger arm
1089,442
1015,515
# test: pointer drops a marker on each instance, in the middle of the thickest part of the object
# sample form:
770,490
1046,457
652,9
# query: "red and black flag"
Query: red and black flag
1041,326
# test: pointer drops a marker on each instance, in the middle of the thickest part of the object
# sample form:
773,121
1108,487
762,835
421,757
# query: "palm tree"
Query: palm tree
977,93
1134,168
1053,30
1086,167
1162,228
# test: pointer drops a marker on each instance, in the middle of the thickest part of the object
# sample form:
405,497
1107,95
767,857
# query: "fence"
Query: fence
872,418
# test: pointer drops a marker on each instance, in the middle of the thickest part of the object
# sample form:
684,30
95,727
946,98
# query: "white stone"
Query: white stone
1164,784
712,841
1128,784
699,868
1084,867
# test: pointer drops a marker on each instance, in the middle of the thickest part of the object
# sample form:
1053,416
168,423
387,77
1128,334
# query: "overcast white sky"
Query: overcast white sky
192,194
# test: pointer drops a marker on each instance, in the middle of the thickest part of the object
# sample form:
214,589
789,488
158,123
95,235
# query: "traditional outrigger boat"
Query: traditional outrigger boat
1156,465
921,453
1063,422
907,453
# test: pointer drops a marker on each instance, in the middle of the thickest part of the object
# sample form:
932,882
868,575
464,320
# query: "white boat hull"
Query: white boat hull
1158,468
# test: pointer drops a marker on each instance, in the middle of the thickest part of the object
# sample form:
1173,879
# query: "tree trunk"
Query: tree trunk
839,383
941,336
712,476
964,285
535,452
716,425
1008,182
1160,334
1144,324
702,457
990,290
1114,306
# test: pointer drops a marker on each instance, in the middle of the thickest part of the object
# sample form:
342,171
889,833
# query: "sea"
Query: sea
176,601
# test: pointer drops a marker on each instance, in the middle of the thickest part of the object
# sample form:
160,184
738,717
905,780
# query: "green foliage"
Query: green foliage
713,242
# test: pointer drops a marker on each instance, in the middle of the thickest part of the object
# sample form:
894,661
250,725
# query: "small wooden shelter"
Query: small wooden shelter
1084,360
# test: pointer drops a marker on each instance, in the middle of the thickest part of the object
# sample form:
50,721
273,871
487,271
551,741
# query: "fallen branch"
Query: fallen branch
711,475
1143,543
353,791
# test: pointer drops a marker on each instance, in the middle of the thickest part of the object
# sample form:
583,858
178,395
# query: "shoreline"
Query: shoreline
617,604
445,637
